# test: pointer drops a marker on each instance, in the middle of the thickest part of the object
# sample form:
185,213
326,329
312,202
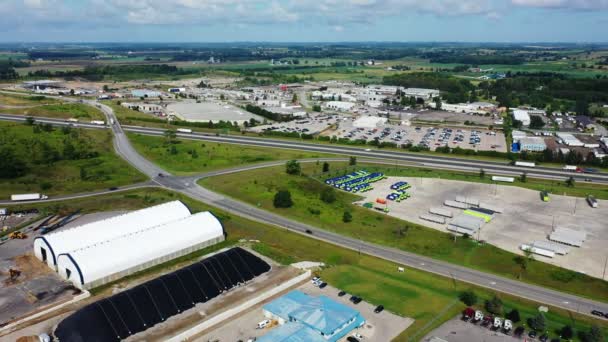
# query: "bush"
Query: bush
328,195
566,332
314,211
282,199
513,315
347,217
538,322
293,167
469,297
494,305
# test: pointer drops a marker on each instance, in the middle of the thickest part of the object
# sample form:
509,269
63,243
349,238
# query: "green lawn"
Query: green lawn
18,100
414,293
191,156
102,168
63,111
258,187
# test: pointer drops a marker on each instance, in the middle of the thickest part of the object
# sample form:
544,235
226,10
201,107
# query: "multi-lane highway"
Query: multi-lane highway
189,187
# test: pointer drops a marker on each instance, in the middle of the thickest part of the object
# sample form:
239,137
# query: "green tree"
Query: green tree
566,332
44,186
328,195
536,122
482,173
294,98
524,177
494,305
316,108
469,297
11,166
352,161
69,151
570,182
222,97
513,315
282,199
170,135
347,217
594,335
293,167
325,167
538,322
173,150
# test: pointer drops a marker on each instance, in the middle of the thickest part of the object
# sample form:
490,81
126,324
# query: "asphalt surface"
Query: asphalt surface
188,186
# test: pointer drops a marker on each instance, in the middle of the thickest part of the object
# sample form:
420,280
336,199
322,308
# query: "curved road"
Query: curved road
189,187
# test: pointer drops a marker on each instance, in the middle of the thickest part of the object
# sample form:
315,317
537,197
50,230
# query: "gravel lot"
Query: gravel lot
525,218
457,330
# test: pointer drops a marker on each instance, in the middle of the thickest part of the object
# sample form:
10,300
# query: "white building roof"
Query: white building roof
369,122
521,115
69,240
112,256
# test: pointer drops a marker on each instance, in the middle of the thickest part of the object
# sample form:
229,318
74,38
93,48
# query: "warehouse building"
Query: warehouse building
534,144
48,247
111,260
522,115
100,252
306,318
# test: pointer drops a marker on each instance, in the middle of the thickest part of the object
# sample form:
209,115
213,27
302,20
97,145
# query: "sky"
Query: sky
303,20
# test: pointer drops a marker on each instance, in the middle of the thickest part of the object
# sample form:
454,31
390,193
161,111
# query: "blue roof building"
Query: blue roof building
307,318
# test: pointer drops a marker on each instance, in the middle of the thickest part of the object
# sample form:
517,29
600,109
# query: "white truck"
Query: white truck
569,168
28,197
525,164
184,130
98,122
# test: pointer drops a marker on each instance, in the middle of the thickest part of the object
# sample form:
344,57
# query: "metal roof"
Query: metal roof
292,332
320,313
568,236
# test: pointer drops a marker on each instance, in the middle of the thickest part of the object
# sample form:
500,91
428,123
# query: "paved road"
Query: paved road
189,187
433,161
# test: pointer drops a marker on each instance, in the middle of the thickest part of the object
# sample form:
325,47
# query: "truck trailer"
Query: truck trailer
525,164
98,122
28,197
569,168
184,130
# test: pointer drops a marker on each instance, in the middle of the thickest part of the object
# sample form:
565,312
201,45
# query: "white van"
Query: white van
263,324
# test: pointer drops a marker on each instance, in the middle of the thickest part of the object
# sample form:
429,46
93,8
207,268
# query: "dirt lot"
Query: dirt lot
525,217
457,330
378,327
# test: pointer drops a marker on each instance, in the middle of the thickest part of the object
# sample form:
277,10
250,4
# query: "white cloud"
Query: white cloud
564,4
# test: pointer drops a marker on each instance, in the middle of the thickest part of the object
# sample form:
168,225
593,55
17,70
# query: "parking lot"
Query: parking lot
525,218
314,124
457,330
429,137
383,326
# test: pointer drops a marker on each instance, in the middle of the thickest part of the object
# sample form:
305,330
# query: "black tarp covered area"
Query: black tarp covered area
139,308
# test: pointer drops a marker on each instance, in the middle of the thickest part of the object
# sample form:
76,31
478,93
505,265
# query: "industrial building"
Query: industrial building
339,105
100,252
522,115
306,318
534,144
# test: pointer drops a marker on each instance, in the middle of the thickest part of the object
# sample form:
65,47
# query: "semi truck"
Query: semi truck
525,164
569,168
28,197
184,130
98,122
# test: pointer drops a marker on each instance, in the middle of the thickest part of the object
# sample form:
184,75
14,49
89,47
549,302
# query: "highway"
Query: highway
189,187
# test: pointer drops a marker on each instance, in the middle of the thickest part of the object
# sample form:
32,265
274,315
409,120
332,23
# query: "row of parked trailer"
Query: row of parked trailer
358,181
400,192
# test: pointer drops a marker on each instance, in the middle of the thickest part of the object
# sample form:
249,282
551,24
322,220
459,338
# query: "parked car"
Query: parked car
519,331
597,313
322,285
544,338
263,324
352,339
113,188
357,300
308,231
379,309
341,293
532,334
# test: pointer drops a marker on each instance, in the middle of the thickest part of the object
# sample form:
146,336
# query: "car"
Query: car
341,294
379,309
161,175
358,336
352,339
543,338
532,334
308,231
322,285
368,150
352,298
263,324
357,300
113,188
597,313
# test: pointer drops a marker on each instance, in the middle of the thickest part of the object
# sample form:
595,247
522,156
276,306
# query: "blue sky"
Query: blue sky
304,20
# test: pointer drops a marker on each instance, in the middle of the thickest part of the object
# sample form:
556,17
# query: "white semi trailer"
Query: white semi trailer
28,197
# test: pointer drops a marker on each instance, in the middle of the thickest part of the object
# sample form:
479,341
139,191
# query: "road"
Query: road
432,161
189,187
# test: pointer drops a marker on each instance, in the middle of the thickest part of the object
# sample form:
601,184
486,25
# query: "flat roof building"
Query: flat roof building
522,115
534,144
308,318
369,122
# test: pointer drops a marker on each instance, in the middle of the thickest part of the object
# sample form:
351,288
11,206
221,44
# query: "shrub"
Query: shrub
468,297
282,199
347,217
328,195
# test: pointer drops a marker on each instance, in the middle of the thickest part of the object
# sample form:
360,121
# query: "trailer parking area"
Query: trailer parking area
524,218
457,330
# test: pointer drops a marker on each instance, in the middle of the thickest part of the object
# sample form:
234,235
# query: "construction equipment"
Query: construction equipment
17,235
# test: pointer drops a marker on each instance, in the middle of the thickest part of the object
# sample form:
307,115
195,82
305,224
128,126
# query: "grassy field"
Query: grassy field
258,187
62,111
413,293
33,100
65,176
192,156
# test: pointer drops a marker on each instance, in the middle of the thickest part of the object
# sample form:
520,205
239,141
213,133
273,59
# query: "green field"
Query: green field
413,293
18,100
258,187
62,111
190,156
97,169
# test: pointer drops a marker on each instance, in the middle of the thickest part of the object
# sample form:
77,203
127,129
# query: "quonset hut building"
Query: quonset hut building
100,252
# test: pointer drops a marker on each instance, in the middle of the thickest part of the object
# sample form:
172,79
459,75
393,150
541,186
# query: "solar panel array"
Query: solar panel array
137,309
